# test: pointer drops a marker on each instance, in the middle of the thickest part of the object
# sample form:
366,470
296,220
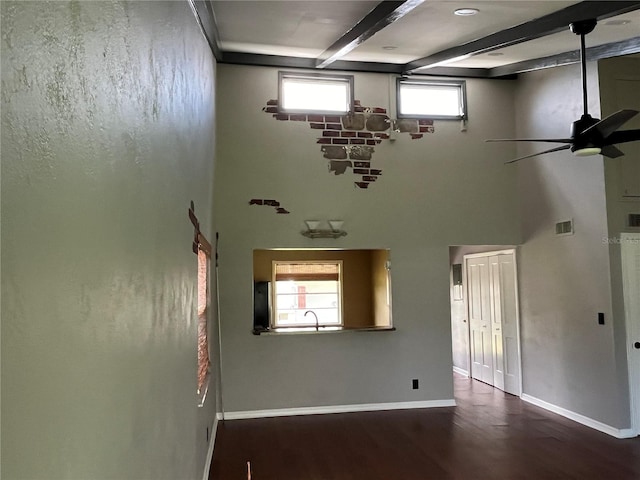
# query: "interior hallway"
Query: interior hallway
489,435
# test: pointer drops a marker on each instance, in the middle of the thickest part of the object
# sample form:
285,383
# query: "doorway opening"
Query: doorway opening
485,315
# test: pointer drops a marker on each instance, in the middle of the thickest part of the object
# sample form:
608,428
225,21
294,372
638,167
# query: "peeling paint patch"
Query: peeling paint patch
339,167
334,152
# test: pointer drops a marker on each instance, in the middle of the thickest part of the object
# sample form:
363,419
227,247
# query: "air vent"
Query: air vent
634,220
564,227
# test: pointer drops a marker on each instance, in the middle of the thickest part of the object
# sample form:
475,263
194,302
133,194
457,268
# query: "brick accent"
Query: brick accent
349,140
269,203
330,133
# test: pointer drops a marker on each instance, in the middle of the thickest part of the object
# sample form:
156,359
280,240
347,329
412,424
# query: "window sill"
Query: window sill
314,330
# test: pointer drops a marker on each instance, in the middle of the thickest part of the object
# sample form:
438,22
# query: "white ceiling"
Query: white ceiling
307,28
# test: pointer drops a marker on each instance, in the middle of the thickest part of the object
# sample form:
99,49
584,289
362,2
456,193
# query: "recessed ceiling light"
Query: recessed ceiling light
389,47
495,54
466,12
615,23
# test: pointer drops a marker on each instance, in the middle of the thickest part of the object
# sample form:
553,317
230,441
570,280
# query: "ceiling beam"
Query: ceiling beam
279,61
203,11
616,49
540,27
384,14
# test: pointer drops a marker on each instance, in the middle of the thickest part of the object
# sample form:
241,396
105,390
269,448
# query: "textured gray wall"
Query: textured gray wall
445,189
568,359
611,100
107,134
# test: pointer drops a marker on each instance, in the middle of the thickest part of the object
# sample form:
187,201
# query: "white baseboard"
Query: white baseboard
366,407
576,417
461,371
212,442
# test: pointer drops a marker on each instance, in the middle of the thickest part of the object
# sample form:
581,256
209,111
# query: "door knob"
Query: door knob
636,345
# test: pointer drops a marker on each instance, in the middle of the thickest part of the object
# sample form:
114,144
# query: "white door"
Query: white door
630,247
509,323
478,297
495,294
493,319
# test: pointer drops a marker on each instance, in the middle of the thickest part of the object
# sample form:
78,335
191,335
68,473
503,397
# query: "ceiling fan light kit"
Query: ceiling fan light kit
588,135
587,152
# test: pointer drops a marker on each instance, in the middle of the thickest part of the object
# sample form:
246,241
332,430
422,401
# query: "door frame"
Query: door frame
491,253
632,331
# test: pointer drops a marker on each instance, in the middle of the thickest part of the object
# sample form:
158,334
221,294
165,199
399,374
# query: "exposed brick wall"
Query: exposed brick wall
269,203
348,141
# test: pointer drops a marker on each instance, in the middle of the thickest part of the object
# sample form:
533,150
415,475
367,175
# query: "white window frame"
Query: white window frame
459,85
274,293
311,78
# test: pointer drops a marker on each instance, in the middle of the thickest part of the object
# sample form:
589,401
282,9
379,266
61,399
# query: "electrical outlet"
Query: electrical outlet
415,384
600,318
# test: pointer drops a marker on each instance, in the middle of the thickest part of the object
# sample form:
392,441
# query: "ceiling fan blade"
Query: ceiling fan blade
550,140
611,151
623,136
610,124
557,149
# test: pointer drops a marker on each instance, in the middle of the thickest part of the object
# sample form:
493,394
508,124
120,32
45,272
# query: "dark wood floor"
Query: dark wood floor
489,435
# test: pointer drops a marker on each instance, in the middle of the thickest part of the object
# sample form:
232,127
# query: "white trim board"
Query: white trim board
212,442
576,417
461,371
365,407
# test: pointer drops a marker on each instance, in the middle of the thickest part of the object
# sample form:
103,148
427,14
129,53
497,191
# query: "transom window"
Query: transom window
305,93
307,293
431,99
